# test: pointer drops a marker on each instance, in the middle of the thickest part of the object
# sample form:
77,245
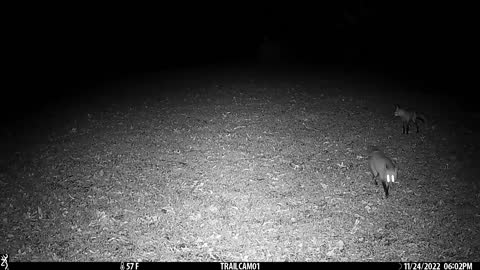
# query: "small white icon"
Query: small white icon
5,261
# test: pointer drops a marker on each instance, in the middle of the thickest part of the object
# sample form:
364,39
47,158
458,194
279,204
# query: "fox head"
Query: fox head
397,110
391,175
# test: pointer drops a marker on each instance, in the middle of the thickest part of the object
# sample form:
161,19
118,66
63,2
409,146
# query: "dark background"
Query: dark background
60,50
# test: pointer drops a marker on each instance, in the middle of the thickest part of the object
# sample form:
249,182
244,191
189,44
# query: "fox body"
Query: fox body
408,117
383,167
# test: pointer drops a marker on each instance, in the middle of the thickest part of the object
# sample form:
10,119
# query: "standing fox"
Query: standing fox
408,117
381,165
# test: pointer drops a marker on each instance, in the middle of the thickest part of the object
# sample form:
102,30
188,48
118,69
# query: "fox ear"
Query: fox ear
397,106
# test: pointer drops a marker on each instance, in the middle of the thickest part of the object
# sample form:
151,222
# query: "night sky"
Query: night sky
58,46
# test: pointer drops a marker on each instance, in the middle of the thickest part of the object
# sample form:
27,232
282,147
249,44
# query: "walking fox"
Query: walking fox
383,167
408,117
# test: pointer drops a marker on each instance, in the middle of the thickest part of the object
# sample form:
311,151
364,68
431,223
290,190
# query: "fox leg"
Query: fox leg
405,128
385,188
416,124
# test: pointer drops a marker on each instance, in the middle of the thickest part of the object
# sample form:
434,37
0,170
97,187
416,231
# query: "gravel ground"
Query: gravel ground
240,167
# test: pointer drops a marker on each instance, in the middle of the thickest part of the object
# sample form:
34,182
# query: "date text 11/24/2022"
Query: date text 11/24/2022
437,266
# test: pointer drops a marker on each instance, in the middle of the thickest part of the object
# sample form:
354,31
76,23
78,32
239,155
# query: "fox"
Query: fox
383,167
408,117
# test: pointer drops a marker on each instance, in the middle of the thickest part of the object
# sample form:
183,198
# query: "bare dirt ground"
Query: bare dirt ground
239,167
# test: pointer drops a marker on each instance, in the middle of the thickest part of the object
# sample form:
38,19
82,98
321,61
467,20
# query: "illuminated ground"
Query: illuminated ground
241,166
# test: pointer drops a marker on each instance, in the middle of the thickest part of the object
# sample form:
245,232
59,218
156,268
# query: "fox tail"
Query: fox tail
422,117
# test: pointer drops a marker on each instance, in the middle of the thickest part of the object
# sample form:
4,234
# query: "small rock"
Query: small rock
340,245
331,252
